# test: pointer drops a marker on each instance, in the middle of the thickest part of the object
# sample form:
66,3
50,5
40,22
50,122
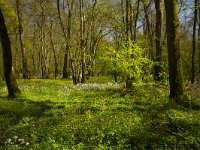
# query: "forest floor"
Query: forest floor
56,115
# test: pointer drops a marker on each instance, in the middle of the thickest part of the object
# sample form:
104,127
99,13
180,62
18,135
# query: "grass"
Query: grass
56,115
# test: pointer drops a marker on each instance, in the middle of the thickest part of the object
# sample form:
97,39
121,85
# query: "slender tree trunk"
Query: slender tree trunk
174,56
157,67
9,73
65,66
54,53
131,19
82,41
34,62
67,39
199,40
93,43
23,51
128,80
123,12
194,42
43,52
117,49
71,61
127,20
136,18
148,29
16,50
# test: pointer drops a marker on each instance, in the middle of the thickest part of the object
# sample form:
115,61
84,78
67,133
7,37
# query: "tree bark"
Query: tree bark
67,39
135,22
9,73
127,20
82,41
194,42
23,51
43,51
149,29
174,57
54,52
198,41
128,80
157,67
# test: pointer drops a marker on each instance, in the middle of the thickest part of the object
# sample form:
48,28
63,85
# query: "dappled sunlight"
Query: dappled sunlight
99,74
92,115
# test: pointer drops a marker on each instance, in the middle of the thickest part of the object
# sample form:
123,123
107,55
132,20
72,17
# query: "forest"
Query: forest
99,74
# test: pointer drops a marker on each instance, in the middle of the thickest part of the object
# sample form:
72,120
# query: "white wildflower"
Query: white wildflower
15,137
9,140
27,143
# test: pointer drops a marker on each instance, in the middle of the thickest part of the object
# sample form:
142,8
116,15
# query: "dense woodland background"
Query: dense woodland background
80,39
130,73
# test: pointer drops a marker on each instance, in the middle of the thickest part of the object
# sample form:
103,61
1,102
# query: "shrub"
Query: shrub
128,61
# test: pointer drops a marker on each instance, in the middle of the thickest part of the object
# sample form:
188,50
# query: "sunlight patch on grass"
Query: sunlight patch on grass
55,114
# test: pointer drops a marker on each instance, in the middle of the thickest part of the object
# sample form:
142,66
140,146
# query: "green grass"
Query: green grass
56,115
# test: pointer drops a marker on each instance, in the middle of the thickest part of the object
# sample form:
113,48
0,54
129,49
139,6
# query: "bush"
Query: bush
128,61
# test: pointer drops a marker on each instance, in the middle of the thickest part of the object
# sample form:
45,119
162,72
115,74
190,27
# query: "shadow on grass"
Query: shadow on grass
157,129
162,131
21,107
13,110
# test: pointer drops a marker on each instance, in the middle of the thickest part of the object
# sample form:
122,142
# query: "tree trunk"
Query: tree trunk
34,59
127,21
54,52
135,22
128,80
9,73
42,54
16,51
173,46
149,29
43,51
23,51
67,38
198,41
194,42
82,41
157,67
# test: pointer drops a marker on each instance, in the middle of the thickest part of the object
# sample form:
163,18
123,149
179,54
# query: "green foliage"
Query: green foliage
9,15
129,61
54,114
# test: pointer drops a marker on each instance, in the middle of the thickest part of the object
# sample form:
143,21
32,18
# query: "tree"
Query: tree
9,73
43,47
157,67
136,19
194,42
82,40
54,51
67,36
174,57
20,29
198,40
148,30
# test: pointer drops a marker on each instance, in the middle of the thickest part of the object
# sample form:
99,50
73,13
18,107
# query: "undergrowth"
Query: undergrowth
56,115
